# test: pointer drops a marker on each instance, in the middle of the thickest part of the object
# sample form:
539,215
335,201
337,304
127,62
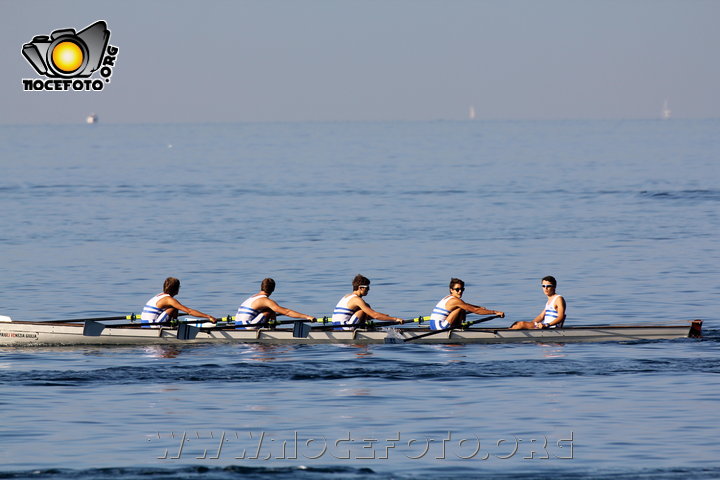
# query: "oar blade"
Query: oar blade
301,330
93,329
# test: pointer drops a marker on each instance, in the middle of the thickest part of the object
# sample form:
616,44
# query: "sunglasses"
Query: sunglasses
458,289
546,286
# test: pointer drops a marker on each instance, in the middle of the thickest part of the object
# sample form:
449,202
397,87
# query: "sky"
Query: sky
375,60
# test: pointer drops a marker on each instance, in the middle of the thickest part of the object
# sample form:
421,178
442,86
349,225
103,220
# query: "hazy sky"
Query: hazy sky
268,60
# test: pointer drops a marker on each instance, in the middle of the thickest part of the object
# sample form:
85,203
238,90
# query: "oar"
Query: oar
301,329
189,332
93,327
131,316
396,339
330,326
370,326
327,322
231,325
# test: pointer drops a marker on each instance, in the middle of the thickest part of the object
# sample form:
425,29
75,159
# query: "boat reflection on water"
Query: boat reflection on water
161,351
262,352
353,392
362,351
553,350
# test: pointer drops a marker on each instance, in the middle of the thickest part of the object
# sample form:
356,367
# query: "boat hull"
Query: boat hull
39,333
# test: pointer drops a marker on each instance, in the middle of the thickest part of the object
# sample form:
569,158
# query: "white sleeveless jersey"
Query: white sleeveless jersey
151,313
438,317
246,315
342,315
551,313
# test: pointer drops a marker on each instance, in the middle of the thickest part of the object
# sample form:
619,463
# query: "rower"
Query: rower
163,307
553,315
352,311
259,310
452,310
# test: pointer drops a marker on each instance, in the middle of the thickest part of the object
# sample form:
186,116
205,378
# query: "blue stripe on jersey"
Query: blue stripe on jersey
162,318
438,324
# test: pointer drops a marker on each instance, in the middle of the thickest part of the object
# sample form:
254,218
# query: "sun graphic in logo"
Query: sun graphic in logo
67,56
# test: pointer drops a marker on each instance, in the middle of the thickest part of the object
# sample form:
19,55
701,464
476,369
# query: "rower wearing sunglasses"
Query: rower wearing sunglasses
452,310
553,315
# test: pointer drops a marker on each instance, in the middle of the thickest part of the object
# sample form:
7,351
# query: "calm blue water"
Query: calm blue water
623,213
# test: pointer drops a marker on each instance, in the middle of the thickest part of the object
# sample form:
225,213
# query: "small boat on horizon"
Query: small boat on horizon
666,112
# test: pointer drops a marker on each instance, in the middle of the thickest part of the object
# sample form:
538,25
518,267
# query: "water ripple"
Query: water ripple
712,195
349,473
399,370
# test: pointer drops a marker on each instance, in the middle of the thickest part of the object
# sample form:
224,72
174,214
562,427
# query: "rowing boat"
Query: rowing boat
46,333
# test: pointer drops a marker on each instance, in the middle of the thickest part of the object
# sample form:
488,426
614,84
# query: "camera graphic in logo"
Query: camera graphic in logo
68,54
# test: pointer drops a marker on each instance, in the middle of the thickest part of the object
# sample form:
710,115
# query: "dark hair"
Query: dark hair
171,286
360,280
267,285
454,280
550,279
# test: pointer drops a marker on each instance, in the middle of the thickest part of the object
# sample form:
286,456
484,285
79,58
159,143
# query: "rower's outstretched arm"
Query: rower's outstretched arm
272,305
195,313
377,315
478,310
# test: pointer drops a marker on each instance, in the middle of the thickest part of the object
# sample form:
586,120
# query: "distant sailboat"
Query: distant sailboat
92,118
666,112
471,113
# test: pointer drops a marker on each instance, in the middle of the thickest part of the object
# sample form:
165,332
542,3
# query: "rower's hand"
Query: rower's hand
399,320
311,319
212,319
500,314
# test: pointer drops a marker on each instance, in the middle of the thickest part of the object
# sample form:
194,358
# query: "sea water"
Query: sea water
623,213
